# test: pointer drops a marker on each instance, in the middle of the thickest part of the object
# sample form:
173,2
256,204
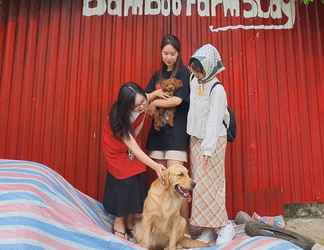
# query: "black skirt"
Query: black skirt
126,196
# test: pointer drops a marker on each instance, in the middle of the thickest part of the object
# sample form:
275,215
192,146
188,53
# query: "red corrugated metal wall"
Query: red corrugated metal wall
275,82
60,71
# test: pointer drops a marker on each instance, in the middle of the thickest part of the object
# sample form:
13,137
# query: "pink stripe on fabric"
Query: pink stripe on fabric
263,242
43,180
39,212
50,217
31,167
36,236
236,242
54,209
66,186
24,175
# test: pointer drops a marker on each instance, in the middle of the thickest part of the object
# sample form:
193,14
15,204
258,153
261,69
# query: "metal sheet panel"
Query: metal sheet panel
274,80
60,72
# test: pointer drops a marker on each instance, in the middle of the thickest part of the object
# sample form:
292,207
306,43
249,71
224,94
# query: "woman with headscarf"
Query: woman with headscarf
207,111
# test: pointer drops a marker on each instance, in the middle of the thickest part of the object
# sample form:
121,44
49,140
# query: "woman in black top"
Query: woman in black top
169,144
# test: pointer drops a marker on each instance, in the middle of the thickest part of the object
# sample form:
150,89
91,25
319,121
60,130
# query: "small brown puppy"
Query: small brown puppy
162,226
166,116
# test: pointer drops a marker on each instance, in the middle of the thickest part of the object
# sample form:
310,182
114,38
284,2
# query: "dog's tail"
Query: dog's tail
187,242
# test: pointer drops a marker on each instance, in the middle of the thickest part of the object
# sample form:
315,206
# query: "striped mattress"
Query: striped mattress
39,209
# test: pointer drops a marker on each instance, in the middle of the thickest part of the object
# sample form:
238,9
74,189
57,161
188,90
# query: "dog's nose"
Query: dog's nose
193,184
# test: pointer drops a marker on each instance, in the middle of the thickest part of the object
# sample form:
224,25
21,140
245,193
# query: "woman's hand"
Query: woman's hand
159,168
159,93
144,158
151,108
205,159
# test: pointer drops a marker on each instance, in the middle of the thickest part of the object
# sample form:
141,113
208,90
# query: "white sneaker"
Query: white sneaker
207,236
225,234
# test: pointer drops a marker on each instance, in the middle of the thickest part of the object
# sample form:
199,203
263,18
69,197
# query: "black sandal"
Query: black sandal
130,232
119,234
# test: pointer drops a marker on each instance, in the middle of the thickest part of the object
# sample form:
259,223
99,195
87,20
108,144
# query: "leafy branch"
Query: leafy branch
311,1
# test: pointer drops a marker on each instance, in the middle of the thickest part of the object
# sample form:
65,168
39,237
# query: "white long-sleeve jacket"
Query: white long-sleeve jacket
207,113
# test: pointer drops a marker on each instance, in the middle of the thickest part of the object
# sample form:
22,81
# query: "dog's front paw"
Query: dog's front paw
171,248
179,246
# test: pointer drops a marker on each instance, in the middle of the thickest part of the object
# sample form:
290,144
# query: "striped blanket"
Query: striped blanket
39,209
256,243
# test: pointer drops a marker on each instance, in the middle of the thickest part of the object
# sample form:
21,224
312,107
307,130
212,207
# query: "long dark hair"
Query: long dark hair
175,43
119,116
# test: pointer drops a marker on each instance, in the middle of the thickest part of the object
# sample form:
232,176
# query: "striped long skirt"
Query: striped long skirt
208,200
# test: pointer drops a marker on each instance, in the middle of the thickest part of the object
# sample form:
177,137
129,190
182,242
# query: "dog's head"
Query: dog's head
171,85
177,179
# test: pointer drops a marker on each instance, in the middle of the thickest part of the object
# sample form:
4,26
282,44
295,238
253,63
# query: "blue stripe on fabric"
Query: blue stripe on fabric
285,245
53,182
210,248
18,163
92,209
35,172
19,195
248,242
24,246
15,162
60,188
20,246
118,246
51,173
72,236
43,187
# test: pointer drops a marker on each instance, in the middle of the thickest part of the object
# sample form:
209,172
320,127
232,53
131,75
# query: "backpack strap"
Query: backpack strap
192,76
214,85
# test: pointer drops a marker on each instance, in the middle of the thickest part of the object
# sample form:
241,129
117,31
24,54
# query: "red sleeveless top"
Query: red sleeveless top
115,151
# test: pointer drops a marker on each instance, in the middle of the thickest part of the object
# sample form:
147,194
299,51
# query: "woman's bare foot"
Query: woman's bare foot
131,220
119,228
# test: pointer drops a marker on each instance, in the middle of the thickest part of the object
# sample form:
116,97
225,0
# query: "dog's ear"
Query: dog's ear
163,84
177,83
165,178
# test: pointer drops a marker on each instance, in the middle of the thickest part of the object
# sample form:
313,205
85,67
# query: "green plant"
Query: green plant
311,1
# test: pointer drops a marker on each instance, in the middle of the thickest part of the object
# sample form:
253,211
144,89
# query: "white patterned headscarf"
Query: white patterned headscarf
211,61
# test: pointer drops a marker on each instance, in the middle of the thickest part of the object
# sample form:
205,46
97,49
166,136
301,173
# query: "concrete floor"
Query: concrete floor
310,227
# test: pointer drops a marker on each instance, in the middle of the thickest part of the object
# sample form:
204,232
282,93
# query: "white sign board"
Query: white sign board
277,10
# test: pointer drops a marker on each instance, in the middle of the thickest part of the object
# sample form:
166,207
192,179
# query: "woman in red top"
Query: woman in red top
126,185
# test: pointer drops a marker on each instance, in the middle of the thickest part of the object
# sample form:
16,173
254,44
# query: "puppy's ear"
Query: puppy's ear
165,178
178,83
163,84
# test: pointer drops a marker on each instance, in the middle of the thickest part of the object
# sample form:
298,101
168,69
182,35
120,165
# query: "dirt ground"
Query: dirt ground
312,228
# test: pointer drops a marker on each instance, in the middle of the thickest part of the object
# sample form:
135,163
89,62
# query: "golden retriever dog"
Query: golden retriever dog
162,226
